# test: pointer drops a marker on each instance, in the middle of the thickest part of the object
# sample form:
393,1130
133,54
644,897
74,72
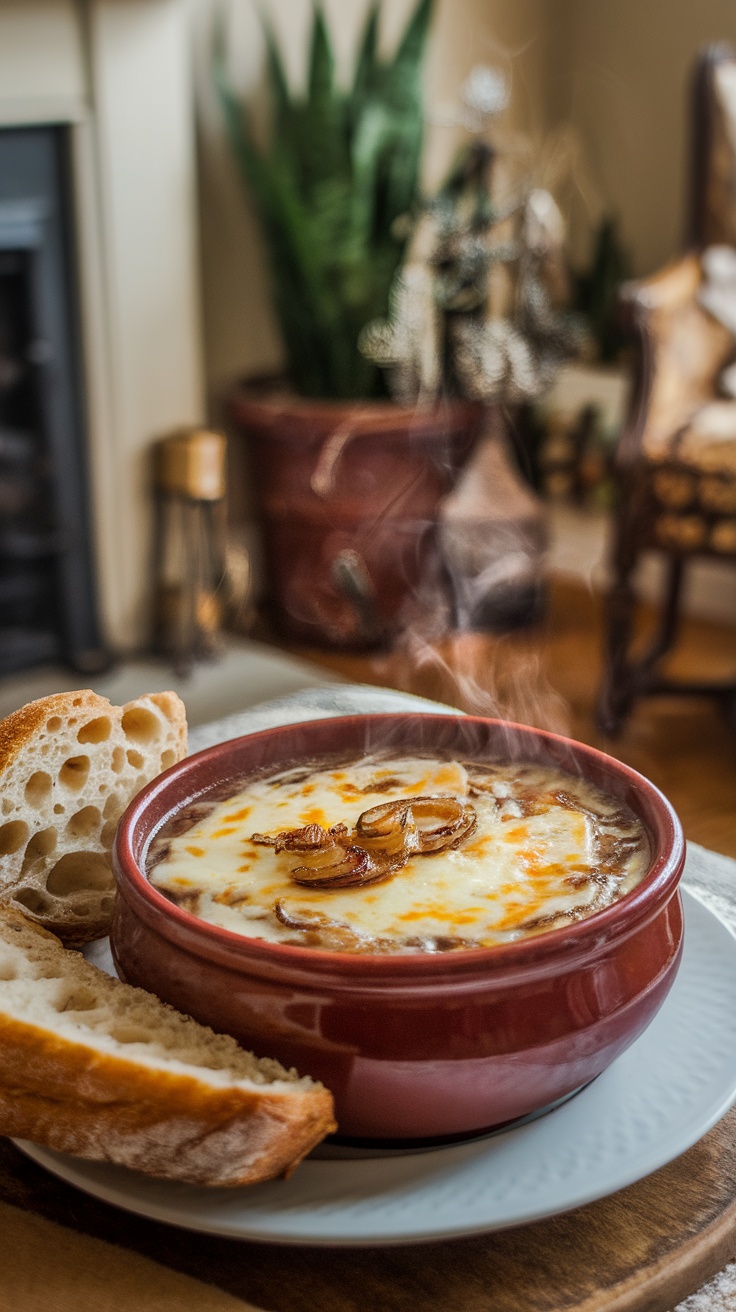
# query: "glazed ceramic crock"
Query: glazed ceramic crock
414,1045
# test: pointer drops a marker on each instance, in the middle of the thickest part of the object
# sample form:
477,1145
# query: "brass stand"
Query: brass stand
190,545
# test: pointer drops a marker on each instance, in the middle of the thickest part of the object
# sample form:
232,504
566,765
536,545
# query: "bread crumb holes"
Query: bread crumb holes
130,1034
108,833
140,725
76,999
113,807
13,835
39,846
73,773
38,788
84,822
136,759
95,731
54,724
33,900
118,759
168,758
79,872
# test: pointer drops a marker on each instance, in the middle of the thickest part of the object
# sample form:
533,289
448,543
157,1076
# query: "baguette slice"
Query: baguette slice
91,1066
69,766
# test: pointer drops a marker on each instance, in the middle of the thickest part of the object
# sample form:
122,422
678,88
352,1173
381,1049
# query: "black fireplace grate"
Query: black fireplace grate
48,608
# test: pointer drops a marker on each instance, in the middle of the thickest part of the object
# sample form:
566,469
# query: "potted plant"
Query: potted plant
347,482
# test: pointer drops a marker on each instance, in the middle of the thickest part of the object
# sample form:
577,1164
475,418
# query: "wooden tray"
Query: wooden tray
642,1250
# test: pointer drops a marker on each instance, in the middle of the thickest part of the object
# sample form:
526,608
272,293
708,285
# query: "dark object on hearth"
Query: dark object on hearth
189,482
48,607
676,464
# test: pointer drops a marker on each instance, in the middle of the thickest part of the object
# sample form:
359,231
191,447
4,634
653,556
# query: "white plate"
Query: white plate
656,1100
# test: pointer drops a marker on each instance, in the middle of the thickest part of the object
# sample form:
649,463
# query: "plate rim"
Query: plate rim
71,1170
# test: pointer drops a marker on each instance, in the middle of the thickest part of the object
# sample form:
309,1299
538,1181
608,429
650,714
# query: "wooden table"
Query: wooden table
639,1251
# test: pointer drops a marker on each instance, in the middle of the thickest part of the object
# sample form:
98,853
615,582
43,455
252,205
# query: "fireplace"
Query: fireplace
100,336
48,603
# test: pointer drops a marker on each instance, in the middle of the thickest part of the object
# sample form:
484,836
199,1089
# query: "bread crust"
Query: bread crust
166,1120
18,729
73,1100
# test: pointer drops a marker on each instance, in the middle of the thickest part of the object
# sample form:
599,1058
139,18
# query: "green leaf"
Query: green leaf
367,66
277,81
410,50
338,169
321,62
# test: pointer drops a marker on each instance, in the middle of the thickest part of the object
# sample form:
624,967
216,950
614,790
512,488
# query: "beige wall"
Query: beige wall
622,70
240,336
614,71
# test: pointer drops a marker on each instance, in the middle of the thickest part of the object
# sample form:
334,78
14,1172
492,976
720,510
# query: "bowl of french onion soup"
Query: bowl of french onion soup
452,922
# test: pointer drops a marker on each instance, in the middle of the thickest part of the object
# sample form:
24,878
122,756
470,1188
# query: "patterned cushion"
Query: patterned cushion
708,443
694,488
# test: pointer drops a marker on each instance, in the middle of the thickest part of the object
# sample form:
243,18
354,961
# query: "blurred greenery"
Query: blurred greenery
340,169
596,293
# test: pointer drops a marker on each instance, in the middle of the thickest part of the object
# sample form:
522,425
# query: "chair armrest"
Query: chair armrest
680,351
667,291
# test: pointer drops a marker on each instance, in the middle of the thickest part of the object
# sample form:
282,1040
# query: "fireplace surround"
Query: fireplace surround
106,83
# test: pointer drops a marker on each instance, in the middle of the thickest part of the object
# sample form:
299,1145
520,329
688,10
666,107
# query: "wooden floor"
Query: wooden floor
549,677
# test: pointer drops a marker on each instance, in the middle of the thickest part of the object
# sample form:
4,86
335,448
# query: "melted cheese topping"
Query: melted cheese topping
548,849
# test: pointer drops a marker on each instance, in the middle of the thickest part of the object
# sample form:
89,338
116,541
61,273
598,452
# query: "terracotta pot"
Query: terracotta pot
347,496
413,1045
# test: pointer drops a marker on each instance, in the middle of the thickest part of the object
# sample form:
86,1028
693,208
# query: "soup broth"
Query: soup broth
401,854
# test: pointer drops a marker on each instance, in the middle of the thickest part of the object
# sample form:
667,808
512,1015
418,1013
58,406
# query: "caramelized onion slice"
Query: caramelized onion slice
355,869
388,828
387,835
441,822
333,934
310,838
346,863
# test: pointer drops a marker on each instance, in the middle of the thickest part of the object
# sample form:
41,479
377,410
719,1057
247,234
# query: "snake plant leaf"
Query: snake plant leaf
367,67
338,169
321,62
278,84
406,67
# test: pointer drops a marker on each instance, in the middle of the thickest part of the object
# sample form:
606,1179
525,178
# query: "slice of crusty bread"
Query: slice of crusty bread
69,766
94,1067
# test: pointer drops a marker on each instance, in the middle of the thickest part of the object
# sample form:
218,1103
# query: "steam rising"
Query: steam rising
474,569
502,678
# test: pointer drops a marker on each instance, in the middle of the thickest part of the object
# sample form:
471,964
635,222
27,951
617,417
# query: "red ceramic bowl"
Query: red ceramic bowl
413,1046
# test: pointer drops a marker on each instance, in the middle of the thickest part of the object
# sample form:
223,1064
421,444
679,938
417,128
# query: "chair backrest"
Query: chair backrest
712,217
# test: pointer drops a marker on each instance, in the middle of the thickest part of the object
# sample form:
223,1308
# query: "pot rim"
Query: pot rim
280,416
542,954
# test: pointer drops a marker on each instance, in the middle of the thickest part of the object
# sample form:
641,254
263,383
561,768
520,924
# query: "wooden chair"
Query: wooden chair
676,462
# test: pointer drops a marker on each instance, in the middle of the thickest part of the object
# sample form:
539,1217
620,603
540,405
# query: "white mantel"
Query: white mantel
118,72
